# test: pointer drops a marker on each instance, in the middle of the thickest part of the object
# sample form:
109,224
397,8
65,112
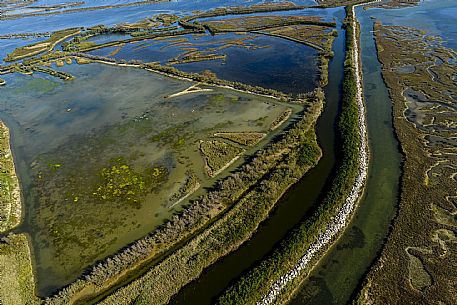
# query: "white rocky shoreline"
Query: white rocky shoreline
343,216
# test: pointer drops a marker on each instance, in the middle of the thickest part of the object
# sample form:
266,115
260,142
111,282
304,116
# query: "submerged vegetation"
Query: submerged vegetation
119,182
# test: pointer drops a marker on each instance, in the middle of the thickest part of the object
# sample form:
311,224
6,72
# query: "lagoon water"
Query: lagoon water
65,133
252,59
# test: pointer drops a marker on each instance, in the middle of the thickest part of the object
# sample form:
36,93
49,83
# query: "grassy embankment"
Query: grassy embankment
250,288
10,196
16,274
258,23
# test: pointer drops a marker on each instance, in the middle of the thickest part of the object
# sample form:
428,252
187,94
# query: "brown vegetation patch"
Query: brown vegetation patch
255,23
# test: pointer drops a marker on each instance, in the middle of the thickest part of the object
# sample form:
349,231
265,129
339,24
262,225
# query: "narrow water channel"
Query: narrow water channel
337,276
291,208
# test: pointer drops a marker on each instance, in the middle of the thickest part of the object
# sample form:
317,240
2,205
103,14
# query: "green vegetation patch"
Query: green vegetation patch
43,46
218,155
120,182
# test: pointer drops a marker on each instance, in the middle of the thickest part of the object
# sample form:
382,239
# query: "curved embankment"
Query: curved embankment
275,278
339,222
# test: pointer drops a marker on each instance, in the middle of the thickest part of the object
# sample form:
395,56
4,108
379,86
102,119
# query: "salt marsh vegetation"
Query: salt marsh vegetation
423,99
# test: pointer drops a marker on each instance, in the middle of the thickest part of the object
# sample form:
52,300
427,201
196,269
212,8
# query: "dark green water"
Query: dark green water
341,270
292,207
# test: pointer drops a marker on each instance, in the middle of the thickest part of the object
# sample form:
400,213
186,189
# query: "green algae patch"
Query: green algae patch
41,85
120,182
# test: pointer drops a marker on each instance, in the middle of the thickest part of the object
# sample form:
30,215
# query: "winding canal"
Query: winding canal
291,209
